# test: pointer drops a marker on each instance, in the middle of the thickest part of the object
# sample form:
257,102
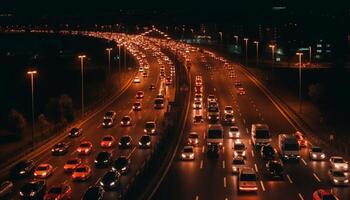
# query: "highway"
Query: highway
211,177
93,130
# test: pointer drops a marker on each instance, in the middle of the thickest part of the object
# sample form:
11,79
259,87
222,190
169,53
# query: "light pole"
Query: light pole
272,46
300,99
125,57
310,54
257,51
220,33
246,49
236,37
31,74
81,57
119,58
109,60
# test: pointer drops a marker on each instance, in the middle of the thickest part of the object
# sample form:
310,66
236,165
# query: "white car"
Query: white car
187,153
238,163
198,97
338,163
193,139
234,132
316,153
228,110
247,180
211,98
197,105
137,79
338,177
239,149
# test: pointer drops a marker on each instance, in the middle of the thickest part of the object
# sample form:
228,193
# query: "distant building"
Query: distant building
323,49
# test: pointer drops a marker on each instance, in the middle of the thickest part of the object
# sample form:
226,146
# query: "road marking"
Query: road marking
81,139
203,149
250,142
131,152
99,126
262,185
246,129
304,161
223,149
243,121
289,179
256,168
223,164
201,165
224,182
197,197
73,152
318,179
98,180
252,153
300,196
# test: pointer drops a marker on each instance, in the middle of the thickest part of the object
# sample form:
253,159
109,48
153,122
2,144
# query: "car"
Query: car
125,142
22,169
198,97
71,164
152,86
187,153
228,110
43,170
237,84
75,132
197,105
110,115
107,123
267,152
275,168
239,149
33,190
247,180
94,193
137,79
6,189
59,192
150,128
84,148
193,139
338,178
111,180
125,121
233,132
338,163
323,194
145,141
198,118
145,74
301,139
160,96
139,94
241,91
141,69
316,153
60,148
103,159
211,98
137,106
229,119
238,163
199,82
168,81
122,165
107,141
198,89
81,173
159,103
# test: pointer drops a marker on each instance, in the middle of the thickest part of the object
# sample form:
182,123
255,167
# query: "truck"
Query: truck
214,137
288,146
260,134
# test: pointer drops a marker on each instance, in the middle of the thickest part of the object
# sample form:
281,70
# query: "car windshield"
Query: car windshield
214,134
72,162
228,116
316,149
124,139
192,135
121,162
328,197
109,176
73,130
85,145
107,120
81,169
238,162
233,129
102,156
126,118
42,168
291,147
150,125
248,177
27,188
158,101
239,147
188,150
108,138
59,145
55,190
109,114
145,138
339,160
213,109
262,134
338,174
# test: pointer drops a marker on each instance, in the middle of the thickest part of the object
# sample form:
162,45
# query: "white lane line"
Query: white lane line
316,177
73,152
201,165
300,196
256,168
250,142
131,152
223,164
304,161
197,197
98,180
99,126
203,149
83,138
289,179
262,185
223,149
224,182
246,129
243,121
252,153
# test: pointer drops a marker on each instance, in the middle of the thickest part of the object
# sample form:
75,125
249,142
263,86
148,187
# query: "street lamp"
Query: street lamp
300,99
81,57
246,49
31,74
236,37
257,51
109,59
220,33
310,54
272,46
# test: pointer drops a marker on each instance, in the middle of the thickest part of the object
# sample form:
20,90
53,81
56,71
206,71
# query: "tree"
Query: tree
52,111
16,123
315,92
43,123
66,108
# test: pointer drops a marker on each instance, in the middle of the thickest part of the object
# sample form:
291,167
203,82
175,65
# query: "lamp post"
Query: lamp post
236,37
300,64
310,54
246,49
81,57
109,60
272,46
257,51
220,33
119,58
125,57
31,74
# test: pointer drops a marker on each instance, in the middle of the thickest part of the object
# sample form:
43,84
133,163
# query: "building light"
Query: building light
319,45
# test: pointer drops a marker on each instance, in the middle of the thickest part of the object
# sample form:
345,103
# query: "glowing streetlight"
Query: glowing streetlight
109,59
272,46
220,33
257,51
81,57
31,74
300,64
246,49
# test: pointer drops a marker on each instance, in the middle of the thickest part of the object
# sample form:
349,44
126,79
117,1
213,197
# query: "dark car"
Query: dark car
58,192
125,121
103,159
145,141
75,132
122,165
110,181
107,123
267,152
60,148
125,142
94,193
275,168
33,190
22,169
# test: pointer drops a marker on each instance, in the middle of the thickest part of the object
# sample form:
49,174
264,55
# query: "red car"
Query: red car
323,194
85,148
71,164
81,173
139,95
59,192
107,141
